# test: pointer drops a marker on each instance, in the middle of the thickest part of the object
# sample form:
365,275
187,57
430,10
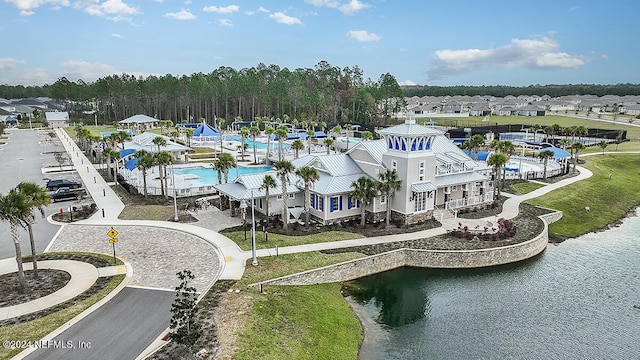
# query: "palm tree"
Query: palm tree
38,198
159,141
268,183
254,131
310,134
507,148
328,142
577,147
120,137
188,133
497,160
309,176
364,189
389,183
297,146
323,125
14,207
226,162
475,142
554,129
162,159
145,162
535,128
244,133
283,169
367,135
113,156
268,131
603,145
545,155
281,133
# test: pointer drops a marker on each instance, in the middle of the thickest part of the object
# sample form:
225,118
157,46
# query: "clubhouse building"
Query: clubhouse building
437,178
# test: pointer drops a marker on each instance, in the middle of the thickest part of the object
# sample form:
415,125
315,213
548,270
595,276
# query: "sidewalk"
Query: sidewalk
103,195
83,276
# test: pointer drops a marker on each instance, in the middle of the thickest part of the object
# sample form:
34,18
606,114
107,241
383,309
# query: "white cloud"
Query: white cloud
261,9
26,7
114,10
353,6
529,53
284,19
225,23
222,9
407,83
9,63
80,69
181,15
327,3
362,35
119,36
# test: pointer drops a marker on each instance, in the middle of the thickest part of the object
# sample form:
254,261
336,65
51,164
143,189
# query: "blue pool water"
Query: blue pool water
261,144
206,176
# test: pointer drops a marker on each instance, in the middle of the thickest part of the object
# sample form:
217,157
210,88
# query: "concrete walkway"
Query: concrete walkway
83,276
103,195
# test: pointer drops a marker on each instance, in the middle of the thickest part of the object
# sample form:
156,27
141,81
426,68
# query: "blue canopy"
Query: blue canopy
205,130
126,152
482,155
320,134
131,164
557,152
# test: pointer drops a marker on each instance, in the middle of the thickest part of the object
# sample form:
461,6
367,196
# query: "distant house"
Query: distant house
57,119
531,111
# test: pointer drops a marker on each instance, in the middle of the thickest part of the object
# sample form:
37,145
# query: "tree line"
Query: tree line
322,93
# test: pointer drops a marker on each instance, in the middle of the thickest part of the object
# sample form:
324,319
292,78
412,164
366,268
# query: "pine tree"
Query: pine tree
186,330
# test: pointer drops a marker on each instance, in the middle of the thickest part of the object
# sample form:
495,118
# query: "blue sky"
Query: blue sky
439,43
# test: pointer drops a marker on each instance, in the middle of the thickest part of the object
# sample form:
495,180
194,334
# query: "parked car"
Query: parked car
65,193
58,183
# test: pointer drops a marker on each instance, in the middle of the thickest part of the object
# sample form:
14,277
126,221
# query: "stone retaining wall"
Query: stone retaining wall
445,259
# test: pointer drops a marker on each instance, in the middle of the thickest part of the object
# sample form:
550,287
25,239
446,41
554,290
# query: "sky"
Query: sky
437,43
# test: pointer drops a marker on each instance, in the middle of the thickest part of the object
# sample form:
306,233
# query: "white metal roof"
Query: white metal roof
423,186
458,178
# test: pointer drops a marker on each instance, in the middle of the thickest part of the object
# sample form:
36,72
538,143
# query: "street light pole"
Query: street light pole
243,208
175,203
253,232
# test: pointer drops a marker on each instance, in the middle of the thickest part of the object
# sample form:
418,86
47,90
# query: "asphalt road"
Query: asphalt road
107,333
22,159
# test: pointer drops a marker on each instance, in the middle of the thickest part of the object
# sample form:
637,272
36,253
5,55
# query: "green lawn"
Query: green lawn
608,199
286,240
526,187
298,322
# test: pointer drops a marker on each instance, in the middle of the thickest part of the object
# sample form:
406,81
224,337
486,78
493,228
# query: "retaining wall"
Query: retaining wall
444,259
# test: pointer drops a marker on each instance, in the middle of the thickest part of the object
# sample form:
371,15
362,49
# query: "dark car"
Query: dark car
65,193
56,184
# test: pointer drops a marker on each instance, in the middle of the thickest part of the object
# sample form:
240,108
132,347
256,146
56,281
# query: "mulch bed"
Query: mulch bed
48,282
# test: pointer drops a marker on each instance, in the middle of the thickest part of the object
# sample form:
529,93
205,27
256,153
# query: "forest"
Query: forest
322,93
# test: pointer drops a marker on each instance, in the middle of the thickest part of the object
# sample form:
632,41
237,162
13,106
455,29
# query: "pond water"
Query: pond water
577,300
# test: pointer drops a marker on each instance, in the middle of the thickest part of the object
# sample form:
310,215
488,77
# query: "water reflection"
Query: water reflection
579,299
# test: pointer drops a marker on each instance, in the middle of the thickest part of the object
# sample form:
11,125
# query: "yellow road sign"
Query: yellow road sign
113,241
112,233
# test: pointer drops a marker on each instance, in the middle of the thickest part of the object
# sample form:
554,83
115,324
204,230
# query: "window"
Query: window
312,201
421,171
279,197
383,199
320,203
454,188
260,203
292,196
353,203
394,165
420,201
335,204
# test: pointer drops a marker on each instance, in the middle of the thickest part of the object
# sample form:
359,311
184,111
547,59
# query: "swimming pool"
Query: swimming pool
206,176
261,143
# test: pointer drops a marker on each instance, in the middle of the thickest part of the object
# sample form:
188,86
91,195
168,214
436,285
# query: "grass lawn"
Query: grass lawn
298,322
526,187
286,240
608,199
147,212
